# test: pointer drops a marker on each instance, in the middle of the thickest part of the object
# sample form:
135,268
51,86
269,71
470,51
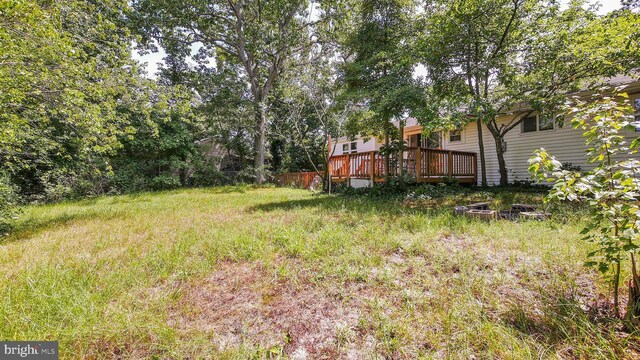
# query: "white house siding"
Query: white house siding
565,143
363,145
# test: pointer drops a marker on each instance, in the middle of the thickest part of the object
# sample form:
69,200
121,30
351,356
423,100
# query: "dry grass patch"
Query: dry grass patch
248,304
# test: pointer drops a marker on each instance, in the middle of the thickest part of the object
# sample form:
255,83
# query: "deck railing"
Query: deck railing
425,164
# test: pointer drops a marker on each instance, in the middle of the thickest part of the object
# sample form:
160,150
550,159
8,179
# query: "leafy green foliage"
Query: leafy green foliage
486,58
71,84
378,76
257,38
157,157
611,189
8,203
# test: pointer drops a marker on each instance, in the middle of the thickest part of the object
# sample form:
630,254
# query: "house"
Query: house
453,154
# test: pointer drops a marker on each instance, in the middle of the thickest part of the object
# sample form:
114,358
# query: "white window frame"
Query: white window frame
352,147
451,134
537,116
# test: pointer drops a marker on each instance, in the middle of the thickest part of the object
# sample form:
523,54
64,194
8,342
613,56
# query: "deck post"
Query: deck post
349,170
329,173
372,166
450,165
475,169
418,160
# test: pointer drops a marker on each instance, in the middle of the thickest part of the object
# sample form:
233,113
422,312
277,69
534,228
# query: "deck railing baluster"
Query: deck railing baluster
430,165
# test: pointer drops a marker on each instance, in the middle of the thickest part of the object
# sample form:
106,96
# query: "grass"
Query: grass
239,272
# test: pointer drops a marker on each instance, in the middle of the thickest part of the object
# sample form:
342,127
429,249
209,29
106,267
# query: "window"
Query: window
350,148
433,140
455,135
529,124
538,123
430,140
545,123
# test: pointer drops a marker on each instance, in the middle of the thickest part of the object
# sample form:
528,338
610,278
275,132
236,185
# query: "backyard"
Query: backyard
246,272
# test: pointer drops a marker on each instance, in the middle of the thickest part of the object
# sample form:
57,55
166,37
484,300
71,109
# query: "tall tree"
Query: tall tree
66,74
310,111
487,57
379,68
260,35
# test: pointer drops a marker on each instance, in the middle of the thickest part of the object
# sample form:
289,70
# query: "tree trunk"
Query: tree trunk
259,137
616,289
401,152
483,163
502,166
632,317
325,162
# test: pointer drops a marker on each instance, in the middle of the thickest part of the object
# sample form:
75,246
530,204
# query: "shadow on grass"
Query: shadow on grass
28,228
230,189
336,203
395,203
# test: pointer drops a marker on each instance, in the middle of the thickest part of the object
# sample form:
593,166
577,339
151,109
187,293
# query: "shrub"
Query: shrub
611,191
8,204
206,173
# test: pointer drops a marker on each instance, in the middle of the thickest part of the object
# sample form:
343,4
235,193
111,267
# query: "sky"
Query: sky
151,61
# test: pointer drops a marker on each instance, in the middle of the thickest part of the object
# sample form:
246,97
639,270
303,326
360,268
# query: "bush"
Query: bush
429,191
8,204
165,182
403,188
206,173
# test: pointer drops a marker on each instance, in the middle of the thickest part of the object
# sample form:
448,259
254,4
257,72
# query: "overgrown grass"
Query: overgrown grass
237,272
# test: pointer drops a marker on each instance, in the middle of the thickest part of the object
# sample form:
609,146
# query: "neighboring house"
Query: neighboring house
217,155
564,142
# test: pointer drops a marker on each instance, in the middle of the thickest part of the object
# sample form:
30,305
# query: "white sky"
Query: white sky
151,61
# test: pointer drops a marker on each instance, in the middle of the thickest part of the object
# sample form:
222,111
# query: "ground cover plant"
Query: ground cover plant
242,272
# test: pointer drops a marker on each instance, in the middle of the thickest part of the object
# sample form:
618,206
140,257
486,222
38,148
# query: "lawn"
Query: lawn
241,272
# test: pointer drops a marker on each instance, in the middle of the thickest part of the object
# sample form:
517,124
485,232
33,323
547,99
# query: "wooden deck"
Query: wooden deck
426,165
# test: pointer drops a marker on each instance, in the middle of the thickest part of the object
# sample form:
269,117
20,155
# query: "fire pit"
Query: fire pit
482,214
517,211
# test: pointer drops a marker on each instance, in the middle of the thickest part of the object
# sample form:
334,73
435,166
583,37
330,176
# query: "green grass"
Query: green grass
239,272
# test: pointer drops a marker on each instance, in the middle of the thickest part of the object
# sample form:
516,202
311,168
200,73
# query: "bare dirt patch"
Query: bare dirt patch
247,304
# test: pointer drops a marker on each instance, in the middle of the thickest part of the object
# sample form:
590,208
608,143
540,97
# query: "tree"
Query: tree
160,151
611,190
260,36
67,77
486,58
227,109
379,68
310,111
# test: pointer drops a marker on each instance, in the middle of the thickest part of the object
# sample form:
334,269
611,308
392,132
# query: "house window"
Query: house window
350,148
529,124
455,135
537,123
433,140
545,123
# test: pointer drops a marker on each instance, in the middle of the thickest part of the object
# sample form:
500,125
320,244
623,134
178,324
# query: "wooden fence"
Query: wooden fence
301,180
